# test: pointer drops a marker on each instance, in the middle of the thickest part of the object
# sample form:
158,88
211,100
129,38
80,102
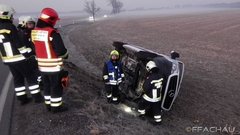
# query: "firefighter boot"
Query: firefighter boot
59,109
48,107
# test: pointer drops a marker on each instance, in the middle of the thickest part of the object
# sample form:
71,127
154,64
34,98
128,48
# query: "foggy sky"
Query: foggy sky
70,5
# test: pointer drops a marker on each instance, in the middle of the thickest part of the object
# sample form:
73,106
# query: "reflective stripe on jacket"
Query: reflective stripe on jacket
152,88
114,74
11,48
48,61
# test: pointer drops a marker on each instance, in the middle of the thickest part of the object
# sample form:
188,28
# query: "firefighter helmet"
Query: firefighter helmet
28,19
6,12
21,19
49,16
114,52
150,65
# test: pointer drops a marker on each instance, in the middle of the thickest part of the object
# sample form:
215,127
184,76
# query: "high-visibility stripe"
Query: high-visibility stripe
151,99
113,82
20,88
158,120
39,79
5,31
157,116
50,69
21,93
105,77
141,111
35,91
22,49
110,95
156,81
33,87
49,60
56,99
8,49
13,59
29,50
122,75
56,104
47,102
115,99
48,50
50,64
47,97
154,93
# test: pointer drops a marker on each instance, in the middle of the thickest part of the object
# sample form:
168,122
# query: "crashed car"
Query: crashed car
134,58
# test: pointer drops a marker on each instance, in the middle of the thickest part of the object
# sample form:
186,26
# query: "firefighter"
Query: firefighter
113,75
50,52
151,97
25,36
21,26
14,54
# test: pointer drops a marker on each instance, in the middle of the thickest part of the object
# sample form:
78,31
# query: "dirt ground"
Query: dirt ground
208,102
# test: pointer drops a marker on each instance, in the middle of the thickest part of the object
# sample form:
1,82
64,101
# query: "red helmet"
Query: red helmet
49,16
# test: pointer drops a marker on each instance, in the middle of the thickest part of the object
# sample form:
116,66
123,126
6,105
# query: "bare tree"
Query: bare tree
91,8
116,5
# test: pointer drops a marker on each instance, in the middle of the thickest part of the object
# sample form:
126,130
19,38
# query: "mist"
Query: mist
25,6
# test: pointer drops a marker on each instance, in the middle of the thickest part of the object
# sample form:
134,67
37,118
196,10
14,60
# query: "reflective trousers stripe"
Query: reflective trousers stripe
56,104
141,111
35,91
20,93
109,96
115,99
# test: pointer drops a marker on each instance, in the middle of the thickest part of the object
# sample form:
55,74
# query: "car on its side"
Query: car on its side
134,58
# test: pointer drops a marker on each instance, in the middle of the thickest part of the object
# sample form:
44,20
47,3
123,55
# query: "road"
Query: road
6,99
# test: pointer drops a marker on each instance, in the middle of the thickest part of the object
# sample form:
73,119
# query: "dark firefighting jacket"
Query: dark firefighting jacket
152,87
113,73
25,36
11,48
49,48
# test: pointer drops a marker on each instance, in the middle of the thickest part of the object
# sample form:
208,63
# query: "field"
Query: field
208,101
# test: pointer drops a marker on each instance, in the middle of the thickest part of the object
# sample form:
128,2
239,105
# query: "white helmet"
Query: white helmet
28,19
21,19
6,12
150,65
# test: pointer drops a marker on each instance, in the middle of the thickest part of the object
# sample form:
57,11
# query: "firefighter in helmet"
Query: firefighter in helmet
151,97
21,25
50,52
113,75
14,55
25,36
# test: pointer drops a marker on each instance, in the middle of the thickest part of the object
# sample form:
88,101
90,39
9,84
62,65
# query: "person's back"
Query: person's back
50,52
14,54
151,97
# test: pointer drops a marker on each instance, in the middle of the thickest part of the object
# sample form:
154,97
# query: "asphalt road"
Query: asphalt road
6,99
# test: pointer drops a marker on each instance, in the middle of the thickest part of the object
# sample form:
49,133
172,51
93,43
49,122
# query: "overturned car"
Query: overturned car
134,58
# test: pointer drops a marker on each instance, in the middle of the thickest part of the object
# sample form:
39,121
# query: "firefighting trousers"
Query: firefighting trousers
155,107
112,91
20,71
53,90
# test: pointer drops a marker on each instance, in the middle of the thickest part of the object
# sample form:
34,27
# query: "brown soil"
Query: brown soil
208,44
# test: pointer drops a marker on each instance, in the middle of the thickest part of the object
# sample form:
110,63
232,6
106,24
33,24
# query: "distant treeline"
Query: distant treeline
215,5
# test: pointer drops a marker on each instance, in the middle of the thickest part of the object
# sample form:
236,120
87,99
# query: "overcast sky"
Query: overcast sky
69,5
